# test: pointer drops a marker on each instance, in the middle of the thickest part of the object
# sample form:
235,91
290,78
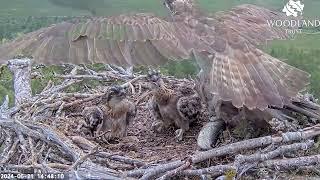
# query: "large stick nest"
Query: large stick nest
41,136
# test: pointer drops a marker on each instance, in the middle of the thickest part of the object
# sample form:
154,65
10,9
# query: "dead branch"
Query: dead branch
154,171
33,153
312,168
83,143
241,161
10,153
21,70
82,159
291,163
175,172
58,88
10,139
130,82
42,132
259,157
91,77
303,111
22,142
4,108
214,170
255,143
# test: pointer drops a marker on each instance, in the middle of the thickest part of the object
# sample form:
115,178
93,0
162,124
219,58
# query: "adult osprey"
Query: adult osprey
225,47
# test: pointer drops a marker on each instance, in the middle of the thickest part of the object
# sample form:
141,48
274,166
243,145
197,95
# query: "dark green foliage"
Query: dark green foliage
88,5
6,85
181,69
307,60
46,74
11,27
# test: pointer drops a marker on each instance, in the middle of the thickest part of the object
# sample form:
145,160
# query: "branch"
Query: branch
214,170
175,172
21,70
153,171
255,143
258,157
42,132
82,159
291,163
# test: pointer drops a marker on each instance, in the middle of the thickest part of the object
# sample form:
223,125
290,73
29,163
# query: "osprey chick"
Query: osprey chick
118,113
93,117
173,107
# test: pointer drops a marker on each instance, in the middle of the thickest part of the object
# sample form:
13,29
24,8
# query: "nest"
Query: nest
40,136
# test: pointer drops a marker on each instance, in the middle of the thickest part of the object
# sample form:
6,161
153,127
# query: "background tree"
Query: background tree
88,5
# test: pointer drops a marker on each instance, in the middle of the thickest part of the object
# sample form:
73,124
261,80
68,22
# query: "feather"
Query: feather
225,47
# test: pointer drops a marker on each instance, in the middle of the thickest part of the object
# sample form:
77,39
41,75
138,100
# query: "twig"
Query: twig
303,111
214,170
99,136
142,97
133,80
8,144
47,155
33,154
59,112
82,101
175,172
312,168
83,143
22,142
45,133
83,158
153,171
92,77
11,152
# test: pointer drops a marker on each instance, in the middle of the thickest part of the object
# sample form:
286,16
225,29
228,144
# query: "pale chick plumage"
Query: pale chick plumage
173,107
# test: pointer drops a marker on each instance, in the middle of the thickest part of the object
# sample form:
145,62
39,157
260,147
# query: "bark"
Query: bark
256,143
21,70
4,108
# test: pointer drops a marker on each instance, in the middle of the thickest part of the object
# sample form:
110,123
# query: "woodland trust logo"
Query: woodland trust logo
292,8
295,22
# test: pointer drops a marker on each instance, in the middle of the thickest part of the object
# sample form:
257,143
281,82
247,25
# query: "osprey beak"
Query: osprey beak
168,5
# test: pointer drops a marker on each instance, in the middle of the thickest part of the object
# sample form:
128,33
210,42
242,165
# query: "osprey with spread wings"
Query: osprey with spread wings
225,47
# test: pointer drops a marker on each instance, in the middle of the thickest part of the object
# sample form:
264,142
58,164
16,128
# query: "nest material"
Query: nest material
41,136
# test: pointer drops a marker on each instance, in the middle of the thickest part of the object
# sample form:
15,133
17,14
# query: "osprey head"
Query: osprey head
178,6
154,77
116,92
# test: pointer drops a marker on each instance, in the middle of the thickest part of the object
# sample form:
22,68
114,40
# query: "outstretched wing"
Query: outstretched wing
256,24
242,73
140,39
224,47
